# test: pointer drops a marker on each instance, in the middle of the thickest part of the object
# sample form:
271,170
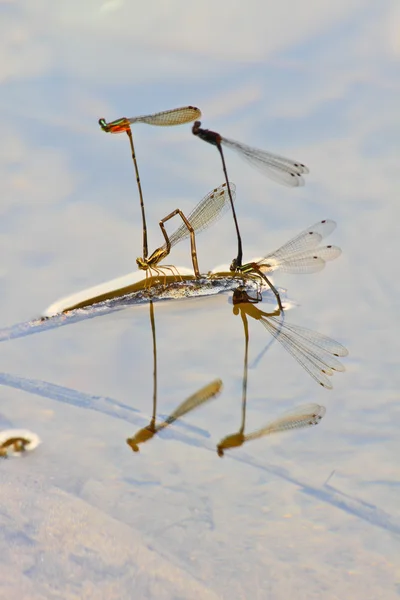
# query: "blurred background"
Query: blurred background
317,82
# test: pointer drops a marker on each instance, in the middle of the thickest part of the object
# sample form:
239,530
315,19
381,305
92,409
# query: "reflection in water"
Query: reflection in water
350,505
200,397
137,287
119,294
302,416
315,352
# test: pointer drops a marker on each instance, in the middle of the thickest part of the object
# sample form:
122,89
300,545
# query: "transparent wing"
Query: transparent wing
211,208
309,261
198,398
167,118
305,240
306,415
300,254
280,169
315,352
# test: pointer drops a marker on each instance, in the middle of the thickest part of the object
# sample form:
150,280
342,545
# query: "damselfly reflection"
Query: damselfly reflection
283,170
300,255
194,401
207,211
316,353
167,118
302,416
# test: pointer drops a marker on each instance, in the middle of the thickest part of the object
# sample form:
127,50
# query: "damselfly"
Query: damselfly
302,416
207,211
281,169
167,118
200,397
300,255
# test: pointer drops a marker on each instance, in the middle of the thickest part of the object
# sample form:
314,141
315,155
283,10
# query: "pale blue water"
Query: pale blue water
85,517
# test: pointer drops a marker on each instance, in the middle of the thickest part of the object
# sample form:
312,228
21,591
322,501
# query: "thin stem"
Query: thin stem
271,285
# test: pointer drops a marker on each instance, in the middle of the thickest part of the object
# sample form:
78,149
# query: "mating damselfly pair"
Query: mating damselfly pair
283,170
216,202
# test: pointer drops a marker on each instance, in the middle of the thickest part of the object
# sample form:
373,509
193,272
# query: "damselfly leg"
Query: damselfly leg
207,211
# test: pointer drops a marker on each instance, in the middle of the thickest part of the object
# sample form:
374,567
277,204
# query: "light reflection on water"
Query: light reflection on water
92,386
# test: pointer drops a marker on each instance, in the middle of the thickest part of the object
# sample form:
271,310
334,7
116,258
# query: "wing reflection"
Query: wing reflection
302,416
195,400
315,352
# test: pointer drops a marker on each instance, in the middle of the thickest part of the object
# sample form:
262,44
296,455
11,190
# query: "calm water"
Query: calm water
175,517
305,514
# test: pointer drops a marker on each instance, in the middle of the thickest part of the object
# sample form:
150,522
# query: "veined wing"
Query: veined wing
308,261
315,352
194,401
305,240
167,118
211,208
306,415
279,168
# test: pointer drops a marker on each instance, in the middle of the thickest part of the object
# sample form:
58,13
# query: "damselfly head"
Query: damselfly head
142,264
118,126
196,127
212,137
103,124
